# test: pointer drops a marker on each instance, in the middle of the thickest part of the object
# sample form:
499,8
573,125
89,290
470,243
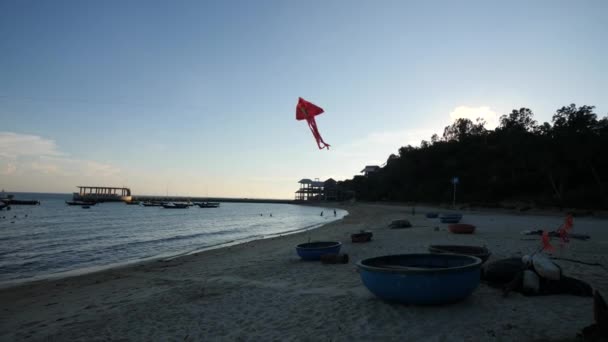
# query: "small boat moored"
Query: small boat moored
152,204
172,205
80,203
21,202
208,204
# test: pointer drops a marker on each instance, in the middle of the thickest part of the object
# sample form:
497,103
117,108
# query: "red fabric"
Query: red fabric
307,111
545,240
565,229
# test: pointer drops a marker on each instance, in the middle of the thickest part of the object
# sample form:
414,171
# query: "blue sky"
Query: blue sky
198,98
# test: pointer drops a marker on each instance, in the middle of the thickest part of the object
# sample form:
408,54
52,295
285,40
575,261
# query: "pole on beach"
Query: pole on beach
454,181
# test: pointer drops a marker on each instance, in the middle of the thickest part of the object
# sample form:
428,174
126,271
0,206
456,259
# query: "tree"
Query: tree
462,128
518,120
575,120
562,164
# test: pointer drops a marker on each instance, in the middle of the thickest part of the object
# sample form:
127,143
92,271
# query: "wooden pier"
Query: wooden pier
102,194
121,194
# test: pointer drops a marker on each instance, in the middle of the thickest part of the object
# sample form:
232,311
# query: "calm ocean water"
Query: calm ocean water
54,238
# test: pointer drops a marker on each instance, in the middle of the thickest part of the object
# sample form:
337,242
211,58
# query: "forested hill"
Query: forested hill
563,163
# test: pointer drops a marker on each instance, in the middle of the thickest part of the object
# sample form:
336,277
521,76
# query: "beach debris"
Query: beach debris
544,267
335,258
508,274
530,282
307,111
399,224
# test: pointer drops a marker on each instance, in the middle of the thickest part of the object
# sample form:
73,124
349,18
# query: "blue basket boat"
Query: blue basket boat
421,278
450,218
314,250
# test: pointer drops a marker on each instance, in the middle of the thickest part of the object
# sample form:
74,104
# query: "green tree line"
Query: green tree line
563,163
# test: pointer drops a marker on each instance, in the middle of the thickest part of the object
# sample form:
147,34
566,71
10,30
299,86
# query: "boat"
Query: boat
172,205
81,203
209,204
3,205
314,250
461,228
481,252
152,204
361,237
21,202
426,279
450,218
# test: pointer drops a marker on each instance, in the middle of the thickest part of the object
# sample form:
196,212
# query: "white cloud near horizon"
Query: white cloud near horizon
24,157
13,145
473,113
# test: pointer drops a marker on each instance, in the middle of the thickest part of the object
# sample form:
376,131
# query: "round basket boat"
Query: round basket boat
314,250
361,237
461,228
476,251
450,218
421,278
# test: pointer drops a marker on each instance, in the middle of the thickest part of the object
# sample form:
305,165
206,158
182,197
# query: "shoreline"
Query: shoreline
260,290
167,257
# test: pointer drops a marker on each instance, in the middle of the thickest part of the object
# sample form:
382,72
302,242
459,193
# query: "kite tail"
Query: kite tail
315,132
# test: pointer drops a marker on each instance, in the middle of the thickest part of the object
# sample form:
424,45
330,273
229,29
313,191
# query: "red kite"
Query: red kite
307,111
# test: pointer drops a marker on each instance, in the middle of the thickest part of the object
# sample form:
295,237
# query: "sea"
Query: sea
54,240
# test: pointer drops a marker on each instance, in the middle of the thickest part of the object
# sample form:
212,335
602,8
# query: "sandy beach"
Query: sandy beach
261,291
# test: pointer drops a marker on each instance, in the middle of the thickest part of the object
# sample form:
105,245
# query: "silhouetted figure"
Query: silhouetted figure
270,214
321,213
334,212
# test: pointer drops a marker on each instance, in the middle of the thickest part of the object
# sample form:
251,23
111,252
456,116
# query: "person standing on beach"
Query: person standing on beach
334,212
321,213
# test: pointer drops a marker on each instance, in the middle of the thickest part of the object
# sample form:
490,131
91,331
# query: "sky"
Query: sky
198,97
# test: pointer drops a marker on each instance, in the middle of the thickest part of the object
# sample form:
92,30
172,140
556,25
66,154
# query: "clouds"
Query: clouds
34,163
473,113
14,145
